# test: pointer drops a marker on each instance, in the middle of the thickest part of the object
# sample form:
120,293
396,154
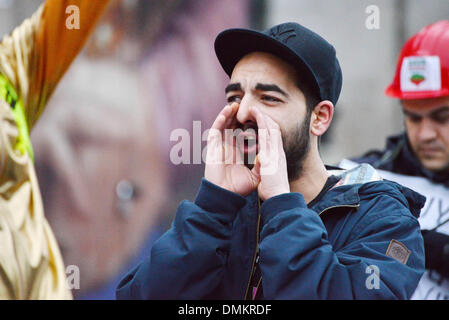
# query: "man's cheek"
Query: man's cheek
410,130
445,140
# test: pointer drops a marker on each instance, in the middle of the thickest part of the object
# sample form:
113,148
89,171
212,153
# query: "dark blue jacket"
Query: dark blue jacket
323,252
398,157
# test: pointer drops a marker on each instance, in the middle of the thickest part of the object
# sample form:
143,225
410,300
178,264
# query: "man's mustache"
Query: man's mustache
433,145
247,126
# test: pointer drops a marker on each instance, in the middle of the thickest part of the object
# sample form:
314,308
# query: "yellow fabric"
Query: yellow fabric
8,94
33,59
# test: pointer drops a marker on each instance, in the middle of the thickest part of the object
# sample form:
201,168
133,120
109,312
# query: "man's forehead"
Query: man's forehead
425,107
263,60
261,67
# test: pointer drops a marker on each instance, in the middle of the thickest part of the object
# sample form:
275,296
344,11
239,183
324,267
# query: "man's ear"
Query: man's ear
321,117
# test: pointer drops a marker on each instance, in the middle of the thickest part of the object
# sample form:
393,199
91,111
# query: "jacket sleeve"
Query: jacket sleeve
188,261
35,56
298,262
436,246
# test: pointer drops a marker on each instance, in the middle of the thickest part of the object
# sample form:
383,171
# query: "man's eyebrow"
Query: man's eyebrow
270,87
233,87
432,114
411,114
437,112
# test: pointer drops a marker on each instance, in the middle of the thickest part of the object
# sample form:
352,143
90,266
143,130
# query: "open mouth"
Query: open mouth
248,144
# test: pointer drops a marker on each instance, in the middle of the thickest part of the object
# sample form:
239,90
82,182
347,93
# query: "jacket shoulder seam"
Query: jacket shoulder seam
365,221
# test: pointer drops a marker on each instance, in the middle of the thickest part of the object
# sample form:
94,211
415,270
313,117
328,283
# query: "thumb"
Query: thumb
256,169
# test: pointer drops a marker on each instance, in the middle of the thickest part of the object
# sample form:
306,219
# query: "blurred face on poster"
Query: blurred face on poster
101,175
100,170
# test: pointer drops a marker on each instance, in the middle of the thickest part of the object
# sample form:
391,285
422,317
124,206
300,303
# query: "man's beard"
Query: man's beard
296,146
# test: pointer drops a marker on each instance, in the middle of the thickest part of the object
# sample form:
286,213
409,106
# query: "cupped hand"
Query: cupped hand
271,163
224,166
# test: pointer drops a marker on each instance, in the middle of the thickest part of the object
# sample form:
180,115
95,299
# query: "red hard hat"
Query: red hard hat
423,66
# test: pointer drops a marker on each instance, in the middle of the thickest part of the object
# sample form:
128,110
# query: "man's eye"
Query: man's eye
441,119
270,99
233,99
414,119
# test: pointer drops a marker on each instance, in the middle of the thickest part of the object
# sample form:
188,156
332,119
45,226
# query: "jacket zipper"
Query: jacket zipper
257,287
340,206
257,240
256,252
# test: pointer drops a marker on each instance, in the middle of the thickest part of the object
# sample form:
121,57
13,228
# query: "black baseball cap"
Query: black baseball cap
312,56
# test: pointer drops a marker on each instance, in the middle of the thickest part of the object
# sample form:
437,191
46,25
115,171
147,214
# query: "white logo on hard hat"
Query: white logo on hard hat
421,73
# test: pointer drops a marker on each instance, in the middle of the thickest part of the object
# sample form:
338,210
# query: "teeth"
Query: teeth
250,138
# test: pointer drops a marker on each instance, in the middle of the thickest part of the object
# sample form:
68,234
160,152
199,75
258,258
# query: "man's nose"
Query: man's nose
427,130
243,115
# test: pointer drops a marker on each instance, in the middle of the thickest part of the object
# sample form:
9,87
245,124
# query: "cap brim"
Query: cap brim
233,44
393,92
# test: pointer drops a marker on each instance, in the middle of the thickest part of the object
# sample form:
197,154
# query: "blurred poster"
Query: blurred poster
102,146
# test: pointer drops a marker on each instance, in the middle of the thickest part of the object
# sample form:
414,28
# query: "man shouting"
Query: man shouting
283,226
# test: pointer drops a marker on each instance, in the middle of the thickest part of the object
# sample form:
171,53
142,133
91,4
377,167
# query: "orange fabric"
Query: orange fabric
33,58
56,46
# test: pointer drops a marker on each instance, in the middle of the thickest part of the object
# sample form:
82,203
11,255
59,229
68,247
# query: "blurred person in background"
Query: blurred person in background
104,144
419,157
33,58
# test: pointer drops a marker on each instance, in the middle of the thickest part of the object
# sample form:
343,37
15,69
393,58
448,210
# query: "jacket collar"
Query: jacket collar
400,152
346,193
342,196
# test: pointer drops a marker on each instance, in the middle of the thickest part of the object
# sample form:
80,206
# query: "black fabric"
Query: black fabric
436,246
330,182
312,56
257,275
398,157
